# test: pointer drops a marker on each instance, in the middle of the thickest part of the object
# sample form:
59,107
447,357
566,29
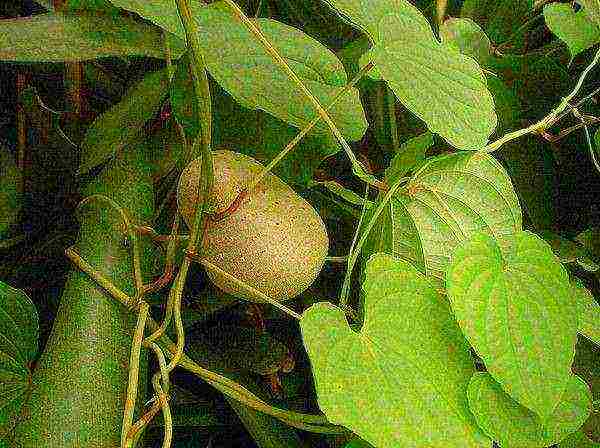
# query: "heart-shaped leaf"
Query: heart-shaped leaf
517,311
512,425
400,381
449,198
574,28
54,38
589,312
19,329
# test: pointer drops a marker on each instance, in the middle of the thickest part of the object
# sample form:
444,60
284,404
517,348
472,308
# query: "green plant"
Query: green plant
472,318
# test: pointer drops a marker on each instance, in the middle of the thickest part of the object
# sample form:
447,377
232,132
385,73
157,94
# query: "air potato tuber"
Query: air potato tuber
272,239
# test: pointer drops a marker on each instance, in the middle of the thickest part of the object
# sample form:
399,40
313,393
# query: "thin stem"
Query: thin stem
357,168
336,259
166,410
354,255
134,369
350,267
551,118
249,288
291,145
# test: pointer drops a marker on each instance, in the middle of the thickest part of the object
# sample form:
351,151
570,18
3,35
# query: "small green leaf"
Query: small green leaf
409,154
517,312
118,126
448,199
589,312
592,10
444,88
574,28
400,381
19,328
467,37
55,38
512,425
11,188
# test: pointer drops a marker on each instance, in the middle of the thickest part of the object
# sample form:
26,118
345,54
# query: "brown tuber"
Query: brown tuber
270,239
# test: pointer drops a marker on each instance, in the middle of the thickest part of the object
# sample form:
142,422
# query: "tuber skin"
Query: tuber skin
269,238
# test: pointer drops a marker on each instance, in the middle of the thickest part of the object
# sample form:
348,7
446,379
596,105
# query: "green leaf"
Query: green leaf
444,88
589,312
55,38
448,199
11,188
517,312
410,153
501,19
573,28
592,10
358,443
512,425
117,127
467,37
578,440
19,330
400,381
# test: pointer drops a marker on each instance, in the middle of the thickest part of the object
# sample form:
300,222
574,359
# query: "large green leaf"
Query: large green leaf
574,28
19,328
449,199
53,38
117,127
589,312
10,190
513,425
400,381
517,311
443,87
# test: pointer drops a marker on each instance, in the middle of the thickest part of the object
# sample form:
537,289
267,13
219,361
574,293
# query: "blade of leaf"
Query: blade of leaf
513,425
517,312
589,312
444,88
55,38
465,35
574,28
375,382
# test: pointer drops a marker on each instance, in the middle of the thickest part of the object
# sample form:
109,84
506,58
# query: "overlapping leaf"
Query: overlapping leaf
116,128
444,88
574,28
18,346
517,312
53,38
467,37
589,312
513,425
449,198
402,380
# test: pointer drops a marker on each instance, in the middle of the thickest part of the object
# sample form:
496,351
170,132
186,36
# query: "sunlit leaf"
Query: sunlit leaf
448,199
513,425
400,381
517,312
574,28
441,86
19,329
54,38
467,37
117,127
589,312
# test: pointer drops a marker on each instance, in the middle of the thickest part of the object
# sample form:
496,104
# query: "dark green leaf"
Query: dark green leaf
376,382
573,28
19,330
517,312
54,38
578,440
118,126
513,425
409,154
